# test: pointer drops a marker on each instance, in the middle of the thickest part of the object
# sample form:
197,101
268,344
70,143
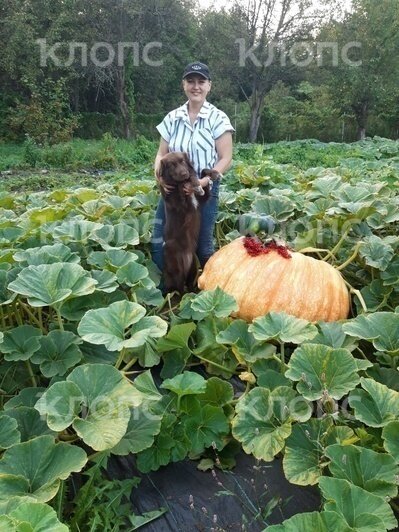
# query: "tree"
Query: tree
272,26
365,78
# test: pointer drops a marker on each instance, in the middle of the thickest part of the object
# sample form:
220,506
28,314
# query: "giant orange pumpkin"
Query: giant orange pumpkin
269,277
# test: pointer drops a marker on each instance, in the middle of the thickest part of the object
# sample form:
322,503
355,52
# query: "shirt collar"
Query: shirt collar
182,111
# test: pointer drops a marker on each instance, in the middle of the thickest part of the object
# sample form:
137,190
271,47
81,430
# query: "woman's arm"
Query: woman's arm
224,149
162,150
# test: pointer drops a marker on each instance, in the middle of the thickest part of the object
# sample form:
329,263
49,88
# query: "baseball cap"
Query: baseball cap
197,68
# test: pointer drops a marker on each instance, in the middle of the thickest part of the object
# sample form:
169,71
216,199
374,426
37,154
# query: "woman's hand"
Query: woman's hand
167,188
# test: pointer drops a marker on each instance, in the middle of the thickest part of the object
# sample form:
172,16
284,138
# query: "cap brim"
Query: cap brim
196,72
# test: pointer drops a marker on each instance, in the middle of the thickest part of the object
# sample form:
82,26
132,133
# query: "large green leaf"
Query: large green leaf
58,352
30,423
304,450
36,467
31,516
170,445
283,328
332,334
263,420
372,471
75,230
142,428
177,337
95,399
358,507
131,273
243,343
321,369
112,260
213,302
116,236
218,392
312,522
376,405
107,326
50,284
381,328
207,427
390,435
376,252
46,255
9,433
188,383
20,343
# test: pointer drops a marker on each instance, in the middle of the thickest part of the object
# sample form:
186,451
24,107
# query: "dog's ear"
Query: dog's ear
163,169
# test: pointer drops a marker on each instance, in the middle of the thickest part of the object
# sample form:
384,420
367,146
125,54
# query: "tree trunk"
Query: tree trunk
362,112
123,106
256,110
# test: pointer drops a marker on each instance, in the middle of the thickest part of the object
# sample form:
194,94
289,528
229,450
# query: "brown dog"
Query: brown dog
183,219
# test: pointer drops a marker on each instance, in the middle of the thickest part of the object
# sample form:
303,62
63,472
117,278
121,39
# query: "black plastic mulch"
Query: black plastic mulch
191,496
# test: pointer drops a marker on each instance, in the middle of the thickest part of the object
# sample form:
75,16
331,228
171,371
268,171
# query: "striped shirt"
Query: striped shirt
198,141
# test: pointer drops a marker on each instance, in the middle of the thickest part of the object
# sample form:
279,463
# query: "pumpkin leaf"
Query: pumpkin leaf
131,273
75,230
320,369
263,420
358,507
95,399
115,236
382,328
206,427
332,334
106,281
111,260
283,328
304,451
30,423
50,284
36,467
145,385
142,428
218,392
58,352
188,383
314,521
174,362
177,337
107,326
376,252
390,435
9,433
376,405
46,255
61,404
272,379
372,471
35,516
20,343
171,444
213,302
243,343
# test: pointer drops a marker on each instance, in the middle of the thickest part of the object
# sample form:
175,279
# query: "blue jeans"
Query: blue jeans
205,247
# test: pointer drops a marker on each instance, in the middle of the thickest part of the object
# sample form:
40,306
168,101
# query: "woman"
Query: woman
205,134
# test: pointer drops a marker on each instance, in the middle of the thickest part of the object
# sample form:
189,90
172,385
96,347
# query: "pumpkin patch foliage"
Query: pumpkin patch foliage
95,362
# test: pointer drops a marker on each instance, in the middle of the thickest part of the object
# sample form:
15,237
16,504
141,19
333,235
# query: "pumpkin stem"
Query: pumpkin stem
338,245
282,355
351,258
358,294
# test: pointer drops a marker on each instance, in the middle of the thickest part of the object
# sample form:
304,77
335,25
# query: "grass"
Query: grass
80,162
